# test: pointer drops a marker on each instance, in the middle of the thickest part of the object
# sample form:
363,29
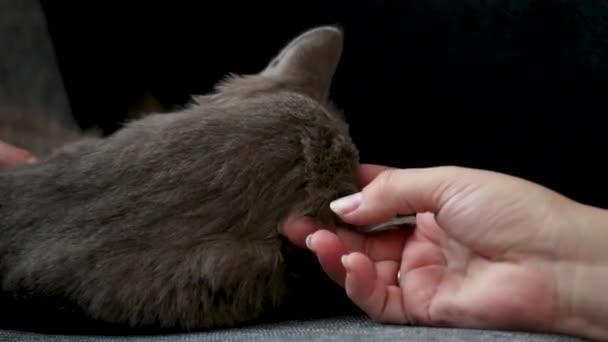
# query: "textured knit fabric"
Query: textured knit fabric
338,329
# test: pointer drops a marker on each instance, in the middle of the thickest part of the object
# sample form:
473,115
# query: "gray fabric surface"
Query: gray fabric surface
338,329
29,75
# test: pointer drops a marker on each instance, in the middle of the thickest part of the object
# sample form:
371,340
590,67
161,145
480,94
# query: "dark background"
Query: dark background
512,86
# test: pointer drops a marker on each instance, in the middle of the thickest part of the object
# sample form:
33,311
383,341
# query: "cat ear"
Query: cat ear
309,61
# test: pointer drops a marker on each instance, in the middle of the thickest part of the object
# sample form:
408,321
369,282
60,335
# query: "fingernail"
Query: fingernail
32,160
345,262
309,241
346,204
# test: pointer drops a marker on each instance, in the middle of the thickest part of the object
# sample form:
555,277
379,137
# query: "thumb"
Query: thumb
399,192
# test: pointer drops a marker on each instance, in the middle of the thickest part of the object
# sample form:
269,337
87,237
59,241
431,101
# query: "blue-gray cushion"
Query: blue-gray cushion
349,328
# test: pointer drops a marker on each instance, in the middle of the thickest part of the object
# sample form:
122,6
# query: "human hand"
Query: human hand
488,251
14,156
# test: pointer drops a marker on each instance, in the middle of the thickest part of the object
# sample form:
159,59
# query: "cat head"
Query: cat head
306,65
296,83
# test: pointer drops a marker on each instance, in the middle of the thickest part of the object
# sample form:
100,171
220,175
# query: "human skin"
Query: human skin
488,251
14,156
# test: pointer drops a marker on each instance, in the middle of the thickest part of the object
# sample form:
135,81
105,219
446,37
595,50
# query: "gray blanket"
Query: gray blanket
351,328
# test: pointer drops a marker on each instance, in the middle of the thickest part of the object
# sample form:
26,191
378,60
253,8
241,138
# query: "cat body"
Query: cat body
173,221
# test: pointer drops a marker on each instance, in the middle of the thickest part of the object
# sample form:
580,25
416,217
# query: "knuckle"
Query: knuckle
387,186
382,194
385,181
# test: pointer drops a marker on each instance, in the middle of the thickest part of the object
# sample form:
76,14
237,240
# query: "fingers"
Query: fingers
398,191
382,246
384,250
329,251
381,302
12,156
387,271
296,228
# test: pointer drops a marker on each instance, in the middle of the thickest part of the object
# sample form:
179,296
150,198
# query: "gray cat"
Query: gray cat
172,221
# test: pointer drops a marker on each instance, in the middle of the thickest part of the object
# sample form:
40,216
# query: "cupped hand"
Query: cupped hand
486,252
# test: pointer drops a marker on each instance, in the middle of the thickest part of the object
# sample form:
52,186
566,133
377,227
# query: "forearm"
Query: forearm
583,278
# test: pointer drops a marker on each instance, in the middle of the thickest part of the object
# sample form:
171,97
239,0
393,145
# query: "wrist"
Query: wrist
582,274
